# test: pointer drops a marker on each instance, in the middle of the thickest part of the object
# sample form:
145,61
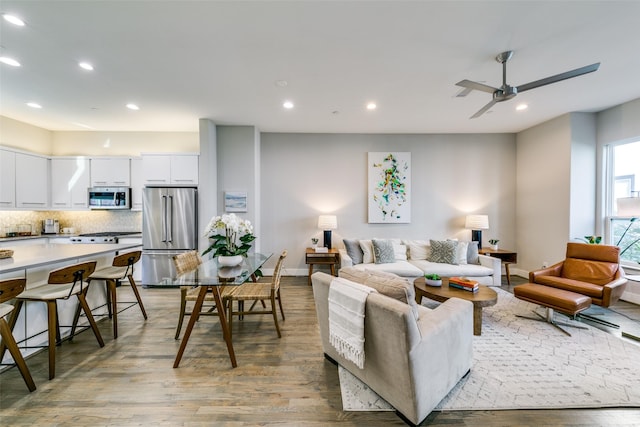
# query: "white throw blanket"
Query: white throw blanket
347,302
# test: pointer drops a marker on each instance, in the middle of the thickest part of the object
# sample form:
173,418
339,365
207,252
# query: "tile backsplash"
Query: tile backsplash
82,221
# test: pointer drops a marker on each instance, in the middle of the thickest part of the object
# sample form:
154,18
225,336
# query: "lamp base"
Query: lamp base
476,236
327,239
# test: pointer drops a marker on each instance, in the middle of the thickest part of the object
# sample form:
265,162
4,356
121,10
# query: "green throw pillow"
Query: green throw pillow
444,251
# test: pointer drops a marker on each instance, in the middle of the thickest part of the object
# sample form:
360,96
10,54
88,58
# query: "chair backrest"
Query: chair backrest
127,259
186,261
11,288
277,272
596,264
72,273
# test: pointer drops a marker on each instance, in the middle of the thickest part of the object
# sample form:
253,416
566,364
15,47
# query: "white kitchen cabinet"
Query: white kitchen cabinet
170,169
110,172
70,180
32,181
137,184
7,179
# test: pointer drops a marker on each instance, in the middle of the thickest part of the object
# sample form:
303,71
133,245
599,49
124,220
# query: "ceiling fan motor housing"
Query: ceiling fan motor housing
505,93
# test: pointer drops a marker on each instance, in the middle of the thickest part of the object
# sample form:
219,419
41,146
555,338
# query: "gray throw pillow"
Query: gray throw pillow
444,251
383,252
472,253
354,250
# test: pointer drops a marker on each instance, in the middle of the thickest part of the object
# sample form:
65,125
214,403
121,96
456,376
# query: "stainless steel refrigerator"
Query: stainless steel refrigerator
169,227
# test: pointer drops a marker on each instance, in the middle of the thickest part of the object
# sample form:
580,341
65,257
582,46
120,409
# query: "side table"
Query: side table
332,259
506,256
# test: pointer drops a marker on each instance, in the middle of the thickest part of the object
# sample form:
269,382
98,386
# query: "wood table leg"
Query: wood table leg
506,270
477,320
226,333
195,314
310,273
333,269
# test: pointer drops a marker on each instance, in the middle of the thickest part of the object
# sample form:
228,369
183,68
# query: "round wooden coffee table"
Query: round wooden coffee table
485,297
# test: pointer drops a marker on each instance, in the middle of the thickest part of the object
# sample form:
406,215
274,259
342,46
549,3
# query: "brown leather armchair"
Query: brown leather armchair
591,270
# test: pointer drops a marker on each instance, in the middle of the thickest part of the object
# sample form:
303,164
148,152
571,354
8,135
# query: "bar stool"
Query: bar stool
10,289
121,268
62,284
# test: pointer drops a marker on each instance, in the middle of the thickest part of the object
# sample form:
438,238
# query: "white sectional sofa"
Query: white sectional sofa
415,258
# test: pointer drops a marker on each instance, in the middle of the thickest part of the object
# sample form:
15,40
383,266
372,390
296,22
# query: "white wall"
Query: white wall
123,143
24,136
582,221
304,175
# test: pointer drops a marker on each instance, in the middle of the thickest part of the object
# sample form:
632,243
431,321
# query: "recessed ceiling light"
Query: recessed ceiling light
13,19
34,105
521,107
133,107
85,66
9,61
371,106
288,105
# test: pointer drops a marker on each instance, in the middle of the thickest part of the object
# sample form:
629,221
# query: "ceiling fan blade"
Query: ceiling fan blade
477,86
483,109
559,77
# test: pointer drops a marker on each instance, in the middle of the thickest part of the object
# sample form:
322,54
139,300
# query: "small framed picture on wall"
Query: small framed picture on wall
235,201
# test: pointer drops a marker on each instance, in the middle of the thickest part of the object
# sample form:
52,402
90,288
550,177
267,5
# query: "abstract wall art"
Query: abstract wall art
389,187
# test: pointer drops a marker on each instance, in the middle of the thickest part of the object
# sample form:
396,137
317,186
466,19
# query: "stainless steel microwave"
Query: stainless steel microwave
110,198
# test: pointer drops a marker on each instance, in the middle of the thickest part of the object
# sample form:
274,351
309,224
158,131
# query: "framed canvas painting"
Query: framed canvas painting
389,185
235,201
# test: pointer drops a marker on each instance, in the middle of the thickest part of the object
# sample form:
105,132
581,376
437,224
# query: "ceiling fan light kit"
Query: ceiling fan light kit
506,92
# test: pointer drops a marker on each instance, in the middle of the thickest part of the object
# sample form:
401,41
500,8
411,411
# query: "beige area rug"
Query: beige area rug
524,364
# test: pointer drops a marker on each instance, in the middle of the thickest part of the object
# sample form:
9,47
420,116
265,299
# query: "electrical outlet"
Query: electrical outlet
545,264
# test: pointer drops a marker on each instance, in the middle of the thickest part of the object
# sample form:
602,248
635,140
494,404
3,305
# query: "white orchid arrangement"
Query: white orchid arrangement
230,235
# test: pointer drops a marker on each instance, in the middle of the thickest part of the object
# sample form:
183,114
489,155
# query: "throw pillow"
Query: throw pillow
353,249
444,251
461,253
367,251
472,253
353,274
383,251
400,252
418,249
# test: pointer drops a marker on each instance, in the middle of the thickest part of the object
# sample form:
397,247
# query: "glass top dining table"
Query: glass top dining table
210,276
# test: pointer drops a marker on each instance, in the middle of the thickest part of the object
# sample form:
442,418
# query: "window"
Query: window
623,201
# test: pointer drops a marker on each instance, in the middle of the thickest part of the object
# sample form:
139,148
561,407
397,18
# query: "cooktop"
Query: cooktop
109,233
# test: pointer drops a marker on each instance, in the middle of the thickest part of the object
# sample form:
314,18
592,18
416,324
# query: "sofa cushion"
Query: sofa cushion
385,283
367,251
383,252
472,253
577,286
443,251
461,253
450,270
400,252
352,246
418,249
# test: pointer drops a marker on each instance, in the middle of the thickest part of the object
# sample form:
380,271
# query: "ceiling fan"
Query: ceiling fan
506,92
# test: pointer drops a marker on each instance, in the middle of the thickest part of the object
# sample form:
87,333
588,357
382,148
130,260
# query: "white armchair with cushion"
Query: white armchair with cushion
413,355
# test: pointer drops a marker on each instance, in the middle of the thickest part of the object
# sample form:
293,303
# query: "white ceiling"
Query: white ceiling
185,60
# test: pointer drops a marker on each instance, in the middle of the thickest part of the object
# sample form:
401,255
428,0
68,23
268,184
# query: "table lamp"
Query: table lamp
327,223
477,223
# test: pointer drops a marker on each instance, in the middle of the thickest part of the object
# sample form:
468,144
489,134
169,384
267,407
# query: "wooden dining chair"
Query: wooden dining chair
184,263
9,289
255,292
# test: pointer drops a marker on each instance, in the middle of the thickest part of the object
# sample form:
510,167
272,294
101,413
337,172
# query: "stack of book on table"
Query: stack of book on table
463,283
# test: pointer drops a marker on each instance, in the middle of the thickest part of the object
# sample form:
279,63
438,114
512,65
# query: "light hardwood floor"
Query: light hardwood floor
284,382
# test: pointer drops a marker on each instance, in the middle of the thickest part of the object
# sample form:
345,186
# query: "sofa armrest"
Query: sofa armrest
613,291
494,264
345,259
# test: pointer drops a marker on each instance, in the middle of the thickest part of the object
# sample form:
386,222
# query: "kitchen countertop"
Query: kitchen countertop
30,256
42,236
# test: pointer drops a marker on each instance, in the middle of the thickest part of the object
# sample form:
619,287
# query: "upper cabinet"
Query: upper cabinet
70,180
7,179
137,184
110,172
170,169
32,181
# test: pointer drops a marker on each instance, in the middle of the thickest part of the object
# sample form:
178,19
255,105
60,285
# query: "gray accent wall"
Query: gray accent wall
305,175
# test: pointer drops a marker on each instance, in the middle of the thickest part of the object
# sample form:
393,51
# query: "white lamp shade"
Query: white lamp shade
477,222
628,206
327,222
